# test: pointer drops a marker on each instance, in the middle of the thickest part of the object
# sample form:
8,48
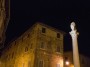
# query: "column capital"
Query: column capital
74,33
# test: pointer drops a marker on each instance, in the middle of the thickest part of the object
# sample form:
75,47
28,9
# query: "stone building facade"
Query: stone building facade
84,60
40,46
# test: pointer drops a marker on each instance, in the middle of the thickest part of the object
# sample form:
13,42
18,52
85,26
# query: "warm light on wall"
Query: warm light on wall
71,65
67,62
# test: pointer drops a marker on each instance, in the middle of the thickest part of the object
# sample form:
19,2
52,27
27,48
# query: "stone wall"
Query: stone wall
33,47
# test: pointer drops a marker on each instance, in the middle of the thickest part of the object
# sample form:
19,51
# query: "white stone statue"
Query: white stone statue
73,26
74,32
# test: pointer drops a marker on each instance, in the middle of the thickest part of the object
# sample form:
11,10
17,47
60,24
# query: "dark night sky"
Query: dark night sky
56,13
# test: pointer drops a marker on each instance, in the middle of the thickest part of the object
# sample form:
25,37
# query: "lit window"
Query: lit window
43,30
58,35
41,63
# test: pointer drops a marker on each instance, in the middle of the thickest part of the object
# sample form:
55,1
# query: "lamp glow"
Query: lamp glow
67,62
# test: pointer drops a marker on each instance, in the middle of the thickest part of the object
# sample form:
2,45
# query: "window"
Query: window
23,64
58,49
83,61
58,65
26,49
9,56
12,54
15,42
58,35
29,64
42,45
43,30
22,39
28,35
49,45
6,57
41,64
31,46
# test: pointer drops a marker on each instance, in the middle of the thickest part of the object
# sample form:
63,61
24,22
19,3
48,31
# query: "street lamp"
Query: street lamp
67,63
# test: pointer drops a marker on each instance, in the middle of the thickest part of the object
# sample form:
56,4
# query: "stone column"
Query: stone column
74,34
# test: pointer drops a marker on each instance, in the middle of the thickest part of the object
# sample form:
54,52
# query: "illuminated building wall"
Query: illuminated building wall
40,46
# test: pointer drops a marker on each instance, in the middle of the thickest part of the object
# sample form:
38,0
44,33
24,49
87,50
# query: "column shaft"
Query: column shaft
75,52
